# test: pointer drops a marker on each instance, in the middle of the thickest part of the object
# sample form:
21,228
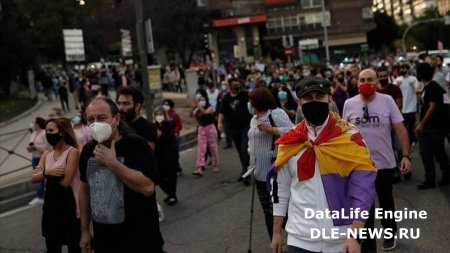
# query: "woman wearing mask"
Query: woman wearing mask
81,129
37,147
166,153
207,133
286,102
59,168
177,126
267,124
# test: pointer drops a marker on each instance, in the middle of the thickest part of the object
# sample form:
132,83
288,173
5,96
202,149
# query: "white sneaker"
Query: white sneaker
36,201
160,212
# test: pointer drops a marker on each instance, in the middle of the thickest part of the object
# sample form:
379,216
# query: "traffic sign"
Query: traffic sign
447,20
326,19
288,51
73,44
308,44
126,43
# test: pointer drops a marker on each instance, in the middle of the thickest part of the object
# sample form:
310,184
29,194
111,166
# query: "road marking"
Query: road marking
17,210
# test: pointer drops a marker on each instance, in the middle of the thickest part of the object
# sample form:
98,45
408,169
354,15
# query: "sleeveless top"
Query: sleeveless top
61,161
61,209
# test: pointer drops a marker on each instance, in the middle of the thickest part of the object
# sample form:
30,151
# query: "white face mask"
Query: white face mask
166,108
100,131
202,103
159,118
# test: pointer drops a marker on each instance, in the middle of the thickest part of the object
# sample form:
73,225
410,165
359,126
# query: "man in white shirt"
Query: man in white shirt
213,94
408,85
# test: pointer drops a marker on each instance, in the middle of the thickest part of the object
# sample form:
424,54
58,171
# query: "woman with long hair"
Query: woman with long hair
80,129
166,153
207,133
267,124
59,168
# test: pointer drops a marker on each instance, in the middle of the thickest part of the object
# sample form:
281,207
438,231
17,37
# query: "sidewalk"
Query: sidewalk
15,171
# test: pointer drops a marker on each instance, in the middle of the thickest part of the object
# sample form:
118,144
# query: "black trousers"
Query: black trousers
383,186
168,180
431,144
55,246
410,123
293,249
240,139
266,204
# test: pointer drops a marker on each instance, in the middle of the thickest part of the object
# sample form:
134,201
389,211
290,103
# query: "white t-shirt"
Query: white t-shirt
441,77
408,86
212,97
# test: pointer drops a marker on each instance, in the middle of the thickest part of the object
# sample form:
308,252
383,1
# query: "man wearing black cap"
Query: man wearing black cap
322,165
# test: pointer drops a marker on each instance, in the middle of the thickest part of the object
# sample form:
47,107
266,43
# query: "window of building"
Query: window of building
290,23
311,3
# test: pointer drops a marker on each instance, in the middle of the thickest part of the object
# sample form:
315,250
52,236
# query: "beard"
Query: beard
128,116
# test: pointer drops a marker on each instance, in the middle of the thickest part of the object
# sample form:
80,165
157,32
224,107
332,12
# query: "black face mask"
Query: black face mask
128,116
53,139
340,80
236,89
315,112
403,72
384,82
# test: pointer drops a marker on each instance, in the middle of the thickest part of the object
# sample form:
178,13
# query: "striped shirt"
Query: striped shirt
260,142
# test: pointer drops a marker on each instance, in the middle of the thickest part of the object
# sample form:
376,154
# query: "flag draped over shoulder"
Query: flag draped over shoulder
336,150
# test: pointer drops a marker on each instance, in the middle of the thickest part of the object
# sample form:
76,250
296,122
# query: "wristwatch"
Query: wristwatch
407,156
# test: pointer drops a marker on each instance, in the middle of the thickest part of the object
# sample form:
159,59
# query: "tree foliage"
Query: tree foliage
385,33
178,26
32,30
426,36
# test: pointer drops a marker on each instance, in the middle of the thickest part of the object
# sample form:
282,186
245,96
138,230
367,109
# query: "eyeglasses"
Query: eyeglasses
366,112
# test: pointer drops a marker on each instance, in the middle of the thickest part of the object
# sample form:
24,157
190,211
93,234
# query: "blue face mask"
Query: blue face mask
251,85
282,95
76,120
250,108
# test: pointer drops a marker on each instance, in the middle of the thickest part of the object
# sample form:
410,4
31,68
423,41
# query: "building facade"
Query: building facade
406,11
256,29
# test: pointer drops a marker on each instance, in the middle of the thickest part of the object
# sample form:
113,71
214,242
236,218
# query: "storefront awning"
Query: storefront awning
239,21
279,2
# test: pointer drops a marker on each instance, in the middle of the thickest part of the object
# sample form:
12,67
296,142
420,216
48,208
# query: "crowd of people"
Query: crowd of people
341,135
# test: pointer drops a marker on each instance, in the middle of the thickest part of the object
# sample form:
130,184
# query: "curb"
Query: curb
27,112
18,194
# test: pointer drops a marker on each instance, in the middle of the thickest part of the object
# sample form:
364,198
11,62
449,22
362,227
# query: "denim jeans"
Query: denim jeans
240,139
293,249
39,186
228,132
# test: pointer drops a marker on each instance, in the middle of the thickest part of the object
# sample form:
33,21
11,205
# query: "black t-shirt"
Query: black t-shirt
235,110
433,92
119,214
166,146
205,119
144,128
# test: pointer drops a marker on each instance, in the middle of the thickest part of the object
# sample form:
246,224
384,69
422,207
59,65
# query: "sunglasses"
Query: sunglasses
365,112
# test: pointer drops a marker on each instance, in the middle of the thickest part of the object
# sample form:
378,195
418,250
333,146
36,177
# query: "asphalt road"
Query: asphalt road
213,214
